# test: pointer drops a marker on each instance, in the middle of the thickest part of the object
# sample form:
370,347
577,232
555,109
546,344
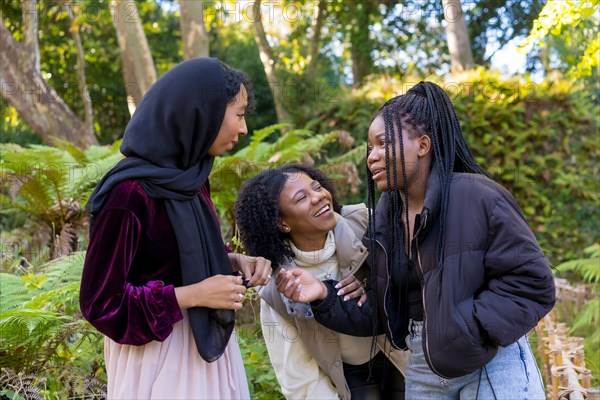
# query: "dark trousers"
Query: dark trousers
386,381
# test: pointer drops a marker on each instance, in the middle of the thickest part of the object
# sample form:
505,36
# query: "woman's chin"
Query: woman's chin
382,186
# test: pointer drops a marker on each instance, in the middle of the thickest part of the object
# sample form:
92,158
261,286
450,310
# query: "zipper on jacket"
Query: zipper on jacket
424,334
387,285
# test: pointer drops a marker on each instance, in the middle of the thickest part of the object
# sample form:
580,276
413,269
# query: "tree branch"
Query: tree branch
81,79
37,103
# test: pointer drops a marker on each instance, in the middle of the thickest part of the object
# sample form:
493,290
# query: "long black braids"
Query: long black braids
396,229
394,203
372,258
429,108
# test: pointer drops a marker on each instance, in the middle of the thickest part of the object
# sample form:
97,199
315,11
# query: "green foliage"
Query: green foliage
586,267
261,377
558,18
47,347
13,291
493,23
267,148
50,185
13,129
540,141
93,20
238,48
537,139
584,322
339,108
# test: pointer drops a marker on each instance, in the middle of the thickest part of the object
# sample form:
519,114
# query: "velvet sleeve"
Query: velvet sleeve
127,313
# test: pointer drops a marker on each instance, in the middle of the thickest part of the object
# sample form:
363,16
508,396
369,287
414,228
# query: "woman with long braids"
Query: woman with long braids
458,276
157,279
291,216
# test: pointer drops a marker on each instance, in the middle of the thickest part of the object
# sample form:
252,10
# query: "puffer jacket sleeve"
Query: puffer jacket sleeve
344,316
520,286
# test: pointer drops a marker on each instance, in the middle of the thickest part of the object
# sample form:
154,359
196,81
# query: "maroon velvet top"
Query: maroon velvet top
132,267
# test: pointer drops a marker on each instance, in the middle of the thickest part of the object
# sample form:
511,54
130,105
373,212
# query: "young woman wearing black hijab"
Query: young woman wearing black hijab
157,279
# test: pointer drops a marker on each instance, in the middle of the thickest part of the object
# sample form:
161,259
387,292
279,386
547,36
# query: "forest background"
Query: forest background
72,72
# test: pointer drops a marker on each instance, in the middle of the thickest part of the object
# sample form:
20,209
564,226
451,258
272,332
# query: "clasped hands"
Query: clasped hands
303,287
226,291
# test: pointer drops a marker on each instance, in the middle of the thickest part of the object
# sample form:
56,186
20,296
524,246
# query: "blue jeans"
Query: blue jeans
512,374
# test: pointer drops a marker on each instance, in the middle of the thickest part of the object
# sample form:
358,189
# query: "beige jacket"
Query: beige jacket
306,355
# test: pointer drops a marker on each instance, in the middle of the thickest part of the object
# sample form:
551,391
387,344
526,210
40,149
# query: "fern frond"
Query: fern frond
52,186
293,138
260,135
17,325
22,385
78,155
32,337
9,148
588,268
55,299
63,271
95,153
593,251
589,315
13,292
309,146
37,196
260,152
36,157
355,156
86,177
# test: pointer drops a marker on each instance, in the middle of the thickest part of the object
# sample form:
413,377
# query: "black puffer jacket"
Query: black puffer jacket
493,286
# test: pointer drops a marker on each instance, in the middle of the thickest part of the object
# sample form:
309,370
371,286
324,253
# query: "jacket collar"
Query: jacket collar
350,250
431,204
429,213
433,193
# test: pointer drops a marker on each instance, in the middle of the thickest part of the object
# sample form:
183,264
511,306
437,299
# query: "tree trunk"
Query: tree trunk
459,45
360,42
137,64
30,32
193,30
37,103
268,60
81,79
313,55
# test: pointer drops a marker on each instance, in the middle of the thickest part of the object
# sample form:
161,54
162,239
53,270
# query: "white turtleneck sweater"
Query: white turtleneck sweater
305,379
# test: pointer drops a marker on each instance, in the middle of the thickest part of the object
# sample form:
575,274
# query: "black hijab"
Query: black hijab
166,146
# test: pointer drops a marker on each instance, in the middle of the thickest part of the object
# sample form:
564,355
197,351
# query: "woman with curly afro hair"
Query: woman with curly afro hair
290,215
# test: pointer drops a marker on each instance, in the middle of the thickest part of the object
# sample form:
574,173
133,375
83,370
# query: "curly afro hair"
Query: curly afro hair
257,211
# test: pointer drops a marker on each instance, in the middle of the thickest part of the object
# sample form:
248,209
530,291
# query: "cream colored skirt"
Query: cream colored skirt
173,369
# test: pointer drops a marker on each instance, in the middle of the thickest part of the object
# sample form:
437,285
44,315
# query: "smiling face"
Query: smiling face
233,125
417,156
306,212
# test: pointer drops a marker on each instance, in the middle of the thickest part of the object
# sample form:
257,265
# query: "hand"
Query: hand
300,286
219,292
257,270
352,288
